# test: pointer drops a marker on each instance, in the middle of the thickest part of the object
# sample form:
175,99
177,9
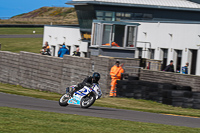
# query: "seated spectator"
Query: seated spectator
63,51
45,49
76,53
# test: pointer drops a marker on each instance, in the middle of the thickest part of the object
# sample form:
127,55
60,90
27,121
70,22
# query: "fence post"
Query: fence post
0,46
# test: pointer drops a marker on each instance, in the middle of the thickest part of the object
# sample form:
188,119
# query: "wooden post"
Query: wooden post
0,46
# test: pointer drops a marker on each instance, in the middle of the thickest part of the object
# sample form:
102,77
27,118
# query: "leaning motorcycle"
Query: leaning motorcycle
85,97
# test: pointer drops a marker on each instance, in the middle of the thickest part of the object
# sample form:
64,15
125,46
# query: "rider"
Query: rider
87,82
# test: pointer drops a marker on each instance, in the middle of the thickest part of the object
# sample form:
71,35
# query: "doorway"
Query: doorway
177,60
53,50
193,61
69,48
164,55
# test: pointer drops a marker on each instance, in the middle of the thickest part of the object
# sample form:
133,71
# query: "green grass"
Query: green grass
21,44
119,103
15,30
29,121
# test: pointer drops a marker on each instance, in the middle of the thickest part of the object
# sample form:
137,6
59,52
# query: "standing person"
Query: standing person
63,51
76,53
185,68
115,74
170,67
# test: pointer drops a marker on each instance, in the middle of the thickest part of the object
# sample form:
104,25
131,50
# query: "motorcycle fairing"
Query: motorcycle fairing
75,100
77,96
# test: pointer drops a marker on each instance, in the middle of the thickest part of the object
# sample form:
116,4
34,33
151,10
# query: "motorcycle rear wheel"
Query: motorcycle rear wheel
64,100
87,101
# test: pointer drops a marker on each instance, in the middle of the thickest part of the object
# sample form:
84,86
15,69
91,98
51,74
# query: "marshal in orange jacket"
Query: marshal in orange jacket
116,71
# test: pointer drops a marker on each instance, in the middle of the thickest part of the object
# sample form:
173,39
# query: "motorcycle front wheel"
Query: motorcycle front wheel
64,100
88,100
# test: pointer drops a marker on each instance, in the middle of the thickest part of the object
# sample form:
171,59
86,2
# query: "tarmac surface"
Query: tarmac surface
24,102
22,36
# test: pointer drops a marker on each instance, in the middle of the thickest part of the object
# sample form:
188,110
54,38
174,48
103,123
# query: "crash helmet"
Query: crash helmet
96,76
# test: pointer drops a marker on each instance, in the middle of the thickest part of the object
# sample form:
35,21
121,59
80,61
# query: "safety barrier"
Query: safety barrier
166,93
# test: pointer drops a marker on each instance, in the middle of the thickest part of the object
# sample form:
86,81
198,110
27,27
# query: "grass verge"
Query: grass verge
22,120
21,44
119,103
15,30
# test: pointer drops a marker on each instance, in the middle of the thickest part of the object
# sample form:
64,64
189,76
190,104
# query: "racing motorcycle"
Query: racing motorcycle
84,97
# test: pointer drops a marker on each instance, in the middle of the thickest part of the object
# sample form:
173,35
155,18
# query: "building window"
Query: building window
85,19
118,36
128,15
108,19
107,30
131,36
108,14
99,13
117,16
123,16
111,34
105,15
147,16
138,15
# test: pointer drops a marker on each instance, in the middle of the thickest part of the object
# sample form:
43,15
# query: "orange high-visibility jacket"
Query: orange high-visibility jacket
116,71
113,44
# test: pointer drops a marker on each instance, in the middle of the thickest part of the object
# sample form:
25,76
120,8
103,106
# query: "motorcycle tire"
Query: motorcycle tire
88,100
64,100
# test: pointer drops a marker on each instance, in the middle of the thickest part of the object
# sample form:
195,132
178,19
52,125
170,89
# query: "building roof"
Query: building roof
169,4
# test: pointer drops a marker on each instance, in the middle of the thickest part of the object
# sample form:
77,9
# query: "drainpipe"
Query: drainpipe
145,45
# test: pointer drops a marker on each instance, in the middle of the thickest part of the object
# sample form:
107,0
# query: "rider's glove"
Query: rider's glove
80,86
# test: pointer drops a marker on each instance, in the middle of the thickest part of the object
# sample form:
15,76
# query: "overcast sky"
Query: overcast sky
9,8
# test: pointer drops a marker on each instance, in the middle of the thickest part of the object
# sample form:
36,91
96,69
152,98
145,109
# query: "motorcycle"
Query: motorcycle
84,97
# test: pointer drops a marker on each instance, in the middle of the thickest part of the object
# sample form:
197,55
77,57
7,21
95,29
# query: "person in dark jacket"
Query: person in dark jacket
170,67
76,53
63,51
88,81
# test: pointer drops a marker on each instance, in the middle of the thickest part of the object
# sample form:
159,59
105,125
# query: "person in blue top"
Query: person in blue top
63,51
185,68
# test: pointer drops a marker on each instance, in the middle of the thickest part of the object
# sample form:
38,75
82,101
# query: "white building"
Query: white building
70,35
179,42
153,29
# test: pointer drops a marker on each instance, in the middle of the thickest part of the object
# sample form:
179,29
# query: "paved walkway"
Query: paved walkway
22,36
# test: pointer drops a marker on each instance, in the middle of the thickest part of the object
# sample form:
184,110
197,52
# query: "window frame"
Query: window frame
99,37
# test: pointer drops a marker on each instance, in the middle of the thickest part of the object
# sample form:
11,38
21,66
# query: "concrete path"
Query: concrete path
22,36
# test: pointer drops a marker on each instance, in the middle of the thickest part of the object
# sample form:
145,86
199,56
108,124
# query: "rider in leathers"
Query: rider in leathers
87,82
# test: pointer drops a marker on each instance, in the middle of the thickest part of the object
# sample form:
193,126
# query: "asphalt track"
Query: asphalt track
22,36
16,101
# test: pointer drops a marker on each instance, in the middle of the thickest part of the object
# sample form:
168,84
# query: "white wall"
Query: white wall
172,36
56,35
